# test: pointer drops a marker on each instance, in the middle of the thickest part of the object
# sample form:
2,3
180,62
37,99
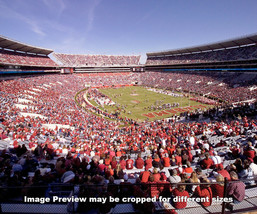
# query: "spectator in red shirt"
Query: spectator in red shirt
223,172
153,188
178,160
204,191
122,163
235,151
188,168
101,167
164,185
148,162
109,172
207,162
156,175
156,161
118,153
2,136
190,156
107,160
177,194
218,189
139,162
145,175
249,152
166,160
114,162
129,163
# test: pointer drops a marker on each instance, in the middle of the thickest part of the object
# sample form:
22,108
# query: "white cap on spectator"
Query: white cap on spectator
180,169
125,177
67,176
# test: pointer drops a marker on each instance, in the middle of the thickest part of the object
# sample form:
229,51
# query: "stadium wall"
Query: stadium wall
102,69
218,66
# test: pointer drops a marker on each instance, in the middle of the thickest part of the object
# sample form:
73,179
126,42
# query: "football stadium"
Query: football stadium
96,133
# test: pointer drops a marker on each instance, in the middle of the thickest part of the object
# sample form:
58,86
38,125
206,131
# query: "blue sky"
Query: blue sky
125,27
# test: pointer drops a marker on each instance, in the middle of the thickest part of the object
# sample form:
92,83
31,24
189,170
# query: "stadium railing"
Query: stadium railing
122,198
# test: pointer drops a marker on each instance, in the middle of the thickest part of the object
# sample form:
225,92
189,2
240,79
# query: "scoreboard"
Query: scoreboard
66,70
138,69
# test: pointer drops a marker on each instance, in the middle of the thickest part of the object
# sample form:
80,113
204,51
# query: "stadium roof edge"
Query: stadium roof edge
11,44
236,42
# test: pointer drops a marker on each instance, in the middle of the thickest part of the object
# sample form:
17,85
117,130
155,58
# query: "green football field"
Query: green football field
135,102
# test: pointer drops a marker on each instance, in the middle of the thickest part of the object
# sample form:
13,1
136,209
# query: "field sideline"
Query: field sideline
138,100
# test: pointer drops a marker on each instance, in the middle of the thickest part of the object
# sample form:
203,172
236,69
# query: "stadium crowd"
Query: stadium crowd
59,142
108,79
17,58
229,87
234,54
76,60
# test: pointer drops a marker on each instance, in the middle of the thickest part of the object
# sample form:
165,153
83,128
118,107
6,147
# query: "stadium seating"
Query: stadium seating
76,60
22,59
242,53
54,142
230,87
60,137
